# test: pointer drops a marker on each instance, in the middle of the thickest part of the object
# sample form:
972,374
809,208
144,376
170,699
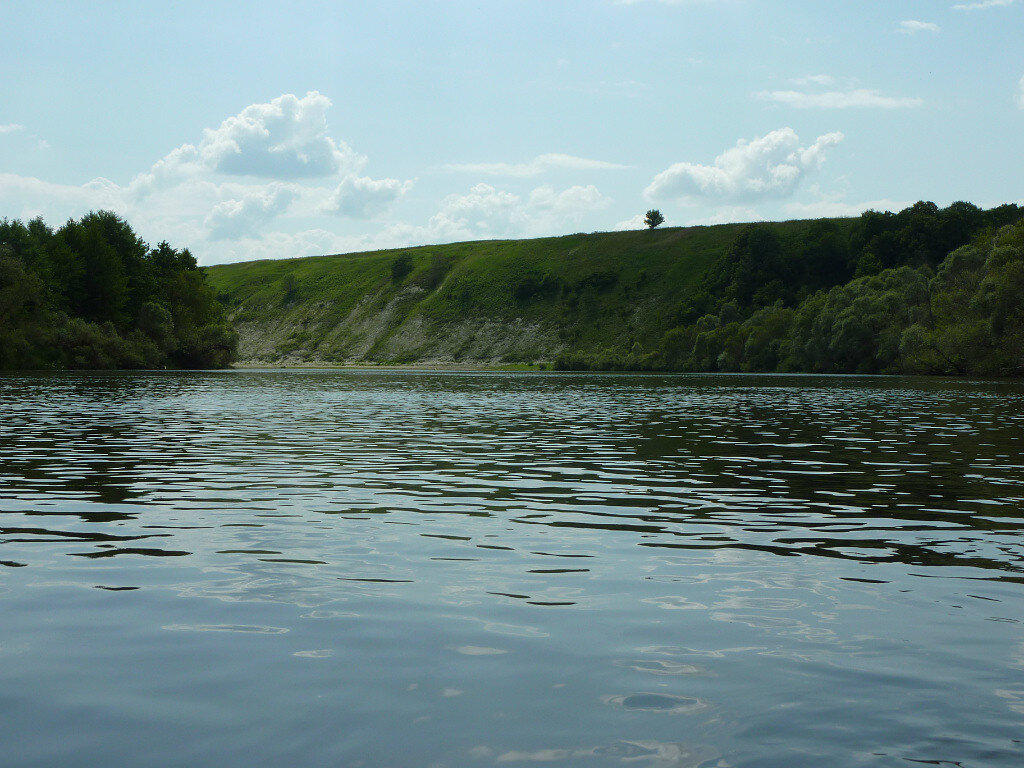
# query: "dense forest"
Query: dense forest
922,291
92,294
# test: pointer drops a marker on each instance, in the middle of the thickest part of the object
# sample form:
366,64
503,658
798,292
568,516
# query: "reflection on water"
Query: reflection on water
364,568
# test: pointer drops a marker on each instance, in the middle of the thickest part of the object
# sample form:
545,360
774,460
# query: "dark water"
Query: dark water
420,569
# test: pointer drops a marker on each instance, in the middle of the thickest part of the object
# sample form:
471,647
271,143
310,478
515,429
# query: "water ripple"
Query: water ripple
336,565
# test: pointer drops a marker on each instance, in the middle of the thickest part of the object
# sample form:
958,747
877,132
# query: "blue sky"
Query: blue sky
259,130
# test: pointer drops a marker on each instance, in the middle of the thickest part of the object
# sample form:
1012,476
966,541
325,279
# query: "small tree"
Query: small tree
653,218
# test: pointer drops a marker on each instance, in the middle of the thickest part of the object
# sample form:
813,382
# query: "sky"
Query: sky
269,130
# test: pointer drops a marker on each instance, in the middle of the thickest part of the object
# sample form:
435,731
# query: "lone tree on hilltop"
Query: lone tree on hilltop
653,218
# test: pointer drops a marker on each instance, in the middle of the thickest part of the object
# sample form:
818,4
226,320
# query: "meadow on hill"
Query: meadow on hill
925,290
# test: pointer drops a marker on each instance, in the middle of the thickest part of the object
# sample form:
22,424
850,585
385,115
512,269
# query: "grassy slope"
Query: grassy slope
501,300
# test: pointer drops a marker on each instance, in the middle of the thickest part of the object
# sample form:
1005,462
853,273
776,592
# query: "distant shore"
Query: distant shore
248,365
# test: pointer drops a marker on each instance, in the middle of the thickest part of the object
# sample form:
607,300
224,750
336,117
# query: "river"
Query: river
400,568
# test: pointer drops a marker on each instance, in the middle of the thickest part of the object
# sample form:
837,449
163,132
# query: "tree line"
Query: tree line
922,291
93,294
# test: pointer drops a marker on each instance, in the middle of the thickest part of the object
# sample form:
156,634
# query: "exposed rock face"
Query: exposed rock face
603,295
381,329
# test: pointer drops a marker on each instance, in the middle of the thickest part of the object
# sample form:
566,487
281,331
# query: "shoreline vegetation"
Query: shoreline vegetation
927,290
93,295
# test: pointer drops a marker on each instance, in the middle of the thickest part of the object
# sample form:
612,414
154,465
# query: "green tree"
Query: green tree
653,218
93,295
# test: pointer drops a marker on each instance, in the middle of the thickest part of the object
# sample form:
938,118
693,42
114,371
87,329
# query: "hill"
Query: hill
924,290
500,301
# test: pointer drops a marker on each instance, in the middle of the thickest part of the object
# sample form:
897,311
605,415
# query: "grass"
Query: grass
585,292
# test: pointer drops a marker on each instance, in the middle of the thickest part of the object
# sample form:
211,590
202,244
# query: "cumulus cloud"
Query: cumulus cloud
239,217
270,160
860,97
539,165
363,197
911,27
484,210
770,166
283,139
982,5
11,128
271,166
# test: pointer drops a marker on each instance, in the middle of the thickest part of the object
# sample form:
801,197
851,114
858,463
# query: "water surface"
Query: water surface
473,569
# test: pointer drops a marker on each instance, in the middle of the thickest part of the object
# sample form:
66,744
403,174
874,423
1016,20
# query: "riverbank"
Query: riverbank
922,291
247,365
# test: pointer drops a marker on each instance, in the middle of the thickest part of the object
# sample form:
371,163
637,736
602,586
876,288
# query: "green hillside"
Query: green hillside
490,301
924,290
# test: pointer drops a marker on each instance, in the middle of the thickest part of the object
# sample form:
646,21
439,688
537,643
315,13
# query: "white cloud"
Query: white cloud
1020,94
11,128
270,160
283,139
362,197
982,5
24,197
240,217
911,27
225,222
264,183
860,97
196,212
770,166
175,167
539,165
484,210
268,167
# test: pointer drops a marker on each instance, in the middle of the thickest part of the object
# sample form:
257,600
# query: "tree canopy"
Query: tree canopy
653,218
93,294
924,290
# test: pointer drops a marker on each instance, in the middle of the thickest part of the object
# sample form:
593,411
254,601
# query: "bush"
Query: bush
401,267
